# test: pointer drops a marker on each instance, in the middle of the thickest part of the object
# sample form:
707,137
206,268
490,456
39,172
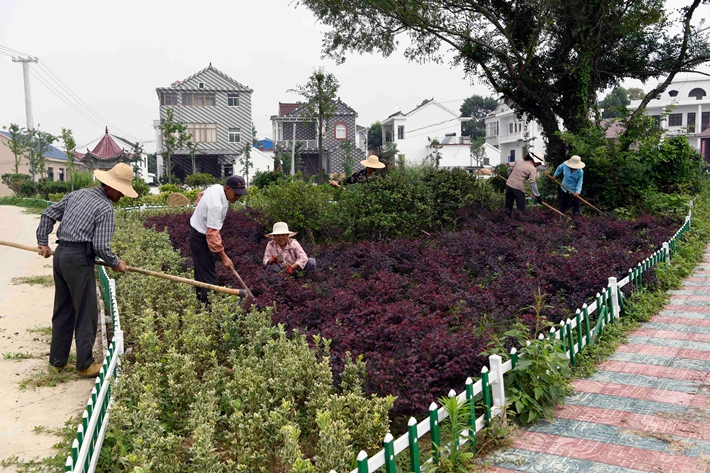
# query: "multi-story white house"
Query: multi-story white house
684,108
217,112
509,134
428,128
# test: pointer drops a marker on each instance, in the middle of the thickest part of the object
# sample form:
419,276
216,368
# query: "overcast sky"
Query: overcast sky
113,55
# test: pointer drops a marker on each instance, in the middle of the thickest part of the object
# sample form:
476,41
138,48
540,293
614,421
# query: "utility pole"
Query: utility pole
28,96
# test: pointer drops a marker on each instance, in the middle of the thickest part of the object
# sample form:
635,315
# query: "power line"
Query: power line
14,51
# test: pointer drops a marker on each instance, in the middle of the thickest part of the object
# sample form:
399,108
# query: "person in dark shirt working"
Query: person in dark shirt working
86,230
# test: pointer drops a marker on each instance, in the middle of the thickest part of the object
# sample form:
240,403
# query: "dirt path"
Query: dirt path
25,316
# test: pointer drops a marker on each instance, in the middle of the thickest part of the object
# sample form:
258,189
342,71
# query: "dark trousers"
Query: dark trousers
75,309
204,261
565,198
514,195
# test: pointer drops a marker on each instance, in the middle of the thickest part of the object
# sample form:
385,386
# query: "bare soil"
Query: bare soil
24,311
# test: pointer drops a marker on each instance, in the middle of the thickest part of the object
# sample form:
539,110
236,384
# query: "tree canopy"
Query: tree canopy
476,107
615,103
548,59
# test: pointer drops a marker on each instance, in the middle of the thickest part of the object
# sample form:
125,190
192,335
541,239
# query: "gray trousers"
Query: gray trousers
308,269
75,310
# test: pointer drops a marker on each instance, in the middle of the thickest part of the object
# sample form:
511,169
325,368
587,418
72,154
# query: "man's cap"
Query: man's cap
237,184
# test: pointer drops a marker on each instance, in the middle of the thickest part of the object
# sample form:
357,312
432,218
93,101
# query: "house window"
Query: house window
698,93
675,119
400,132
61,174
691,122
202,132
705,117
233,100
168,98
234,135
201,85
199,99
510,128
50,173
341,131
656,121
673,93
511,157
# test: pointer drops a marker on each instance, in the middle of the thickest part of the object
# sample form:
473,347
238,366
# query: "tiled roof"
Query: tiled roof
286,108
107,148
52,152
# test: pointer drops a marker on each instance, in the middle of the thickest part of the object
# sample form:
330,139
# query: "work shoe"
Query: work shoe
90,372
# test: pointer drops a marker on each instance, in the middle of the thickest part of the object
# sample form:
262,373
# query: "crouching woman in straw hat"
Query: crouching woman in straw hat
371,164
285,253
86,229
573,175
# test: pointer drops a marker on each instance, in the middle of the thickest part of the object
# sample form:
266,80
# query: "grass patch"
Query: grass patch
49,376
44,331
52,463
34,280
33,211
17,356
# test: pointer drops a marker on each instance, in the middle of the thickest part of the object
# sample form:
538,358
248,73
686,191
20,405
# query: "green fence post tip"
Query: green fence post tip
570,342
362,462
514,356
69,464
388,447
414,461
471,399
487,402
587,329
434,431
578,319
74,450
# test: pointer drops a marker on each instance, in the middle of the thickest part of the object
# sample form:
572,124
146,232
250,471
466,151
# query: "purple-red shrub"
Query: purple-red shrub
421,310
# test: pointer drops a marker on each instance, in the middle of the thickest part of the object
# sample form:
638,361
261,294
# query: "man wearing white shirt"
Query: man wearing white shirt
206,222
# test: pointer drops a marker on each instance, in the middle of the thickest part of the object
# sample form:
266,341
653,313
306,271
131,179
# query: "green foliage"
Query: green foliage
44,188
83,179
169,188
615,103
17,145
374,136
24,202
305,207
14,181
174,138
476,107
56,197
140,186
497,183
265,178
69,149
200,179
208,389
454,458
407,201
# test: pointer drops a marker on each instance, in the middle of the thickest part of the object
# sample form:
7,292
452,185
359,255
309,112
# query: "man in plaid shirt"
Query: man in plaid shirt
86,230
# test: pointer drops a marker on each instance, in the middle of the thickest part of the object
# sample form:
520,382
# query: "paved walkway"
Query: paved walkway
647,409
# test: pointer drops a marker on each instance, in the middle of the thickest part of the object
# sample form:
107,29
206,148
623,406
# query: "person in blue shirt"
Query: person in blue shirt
572,176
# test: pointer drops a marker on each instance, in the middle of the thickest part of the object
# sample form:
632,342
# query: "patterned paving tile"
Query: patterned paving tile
645,381
688,307
644,393
689,321
534,462
687,427
624,436
691,292
647,367
684,314
637,406
688,333
669,343
671,362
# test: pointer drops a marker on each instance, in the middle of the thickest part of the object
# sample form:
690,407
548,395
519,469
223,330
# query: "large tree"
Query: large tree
17,144
70,150
549,58
476,107
615,103
319,106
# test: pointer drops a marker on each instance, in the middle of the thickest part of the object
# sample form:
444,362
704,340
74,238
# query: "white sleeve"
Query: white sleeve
214,214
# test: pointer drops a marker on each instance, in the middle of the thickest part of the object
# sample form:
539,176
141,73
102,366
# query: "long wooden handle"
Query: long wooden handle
242,282
533,197
570,191
147,272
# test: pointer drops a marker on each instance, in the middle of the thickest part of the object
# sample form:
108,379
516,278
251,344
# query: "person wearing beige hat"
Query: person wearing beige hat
371,164
86,229
283,253
573,175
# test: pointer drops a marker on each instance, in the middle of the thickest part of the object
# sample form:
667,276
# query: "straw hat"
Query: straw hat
373,162
118,177
537,157
280,228
575,162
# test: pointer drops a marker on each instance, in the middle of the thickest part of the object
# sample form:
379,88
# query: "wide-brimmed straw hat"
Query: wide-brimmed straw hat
575,162
373,162
537,157
118,177
281,228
